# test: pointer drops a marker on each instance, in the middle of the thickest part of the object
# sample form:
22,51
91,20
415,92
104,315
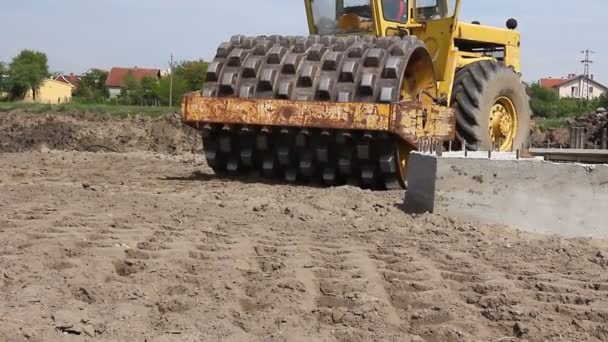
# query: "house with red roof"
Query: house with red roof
71,80
117,76
574,86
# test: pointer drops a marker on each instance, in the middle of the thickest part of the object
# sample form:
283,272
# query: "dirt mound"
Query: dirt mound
21,131
542,137
593,123
141,246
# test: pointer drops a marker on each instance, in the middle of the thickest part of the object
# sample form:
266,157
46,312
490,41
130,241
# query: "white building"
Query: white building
575,86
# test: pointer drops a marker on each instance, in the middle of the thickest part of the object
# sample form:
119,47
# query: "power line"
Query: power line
171,82
587,63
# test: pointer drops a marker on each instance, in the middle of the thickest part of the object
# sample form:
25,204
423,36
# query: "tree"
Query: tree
543,101
192,72
180,87
94,79
149,90
603,100
92,86
131,83
3,71
28,70
547,104
5,85
83,94
131,89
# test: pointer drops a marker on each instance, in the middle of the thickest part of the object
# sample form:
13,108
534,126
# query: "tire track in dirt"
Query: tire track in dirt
350,298
424,290
303,273
274,288
414,286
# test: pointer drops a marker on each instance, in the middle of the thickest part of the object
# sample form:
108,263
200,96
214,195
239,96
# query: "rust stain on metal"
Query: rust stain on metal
287,112
405,119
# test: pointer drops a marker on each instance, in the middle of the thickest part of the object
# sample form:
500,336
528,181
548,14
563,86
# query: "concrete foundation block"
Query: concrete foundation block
532,195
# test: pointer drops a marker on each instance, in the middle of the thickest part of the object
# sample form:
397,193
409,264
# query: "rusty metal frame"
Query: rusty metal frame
410,120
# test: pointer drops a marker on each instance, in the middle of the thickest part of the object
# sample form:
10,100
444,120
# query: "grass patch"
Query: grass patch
552,122
119,111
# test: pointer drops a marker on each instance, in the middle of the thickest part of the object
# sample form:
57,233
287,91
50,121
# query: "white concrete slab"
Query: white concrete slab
532,195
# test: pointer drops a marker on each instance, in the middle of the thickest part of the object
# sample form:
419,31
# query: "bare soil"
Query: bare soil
594,123
144,246
90,132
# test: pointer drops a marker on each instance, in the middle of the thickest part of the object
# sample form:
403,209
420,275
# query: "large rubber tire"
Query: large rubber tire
476,89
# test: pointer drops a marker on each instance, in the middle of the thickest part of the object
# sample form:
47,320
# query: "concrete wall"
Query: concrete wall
532,195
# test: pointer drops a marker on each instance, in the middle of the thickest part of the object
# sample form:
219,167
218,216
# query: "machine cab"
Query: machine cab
375,17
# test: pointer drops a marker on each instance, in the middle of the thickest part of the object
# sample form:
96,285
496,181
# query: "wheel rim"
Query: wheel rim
503,124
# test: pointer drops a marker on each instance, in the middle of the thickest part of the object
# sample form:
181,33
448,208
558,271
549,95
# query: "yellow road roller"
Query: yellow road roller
374,81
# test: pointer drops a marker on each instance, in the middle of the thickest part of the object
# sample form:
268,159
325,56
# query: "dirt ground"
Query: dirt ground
143,246
90,132
559,137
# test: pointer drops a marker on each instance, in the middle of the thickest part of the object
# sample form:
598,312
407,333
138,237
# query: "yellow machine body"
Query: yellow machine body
451,43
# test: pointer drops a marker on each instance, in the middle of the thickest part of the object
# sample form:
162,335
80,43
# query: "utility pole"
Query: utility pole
171,82
586,63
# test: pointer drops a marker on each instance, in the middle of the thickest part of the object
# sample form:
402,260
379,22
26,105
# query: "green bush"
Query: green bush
547,104
602,101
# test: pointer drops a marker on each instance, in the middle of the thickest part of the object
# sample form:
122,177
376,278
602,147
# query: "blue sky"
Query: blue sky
78,34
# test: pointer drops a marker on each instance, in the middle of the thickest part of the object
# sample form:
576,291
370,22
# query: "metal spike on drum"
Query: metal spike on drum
225,143
306,164
345,163
388,164
284,149
268,165
363,147
329,176
291,175
233,165
368,174
323,149
211,155
206,131
343,138
261,142
246,155
283,154
302,138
